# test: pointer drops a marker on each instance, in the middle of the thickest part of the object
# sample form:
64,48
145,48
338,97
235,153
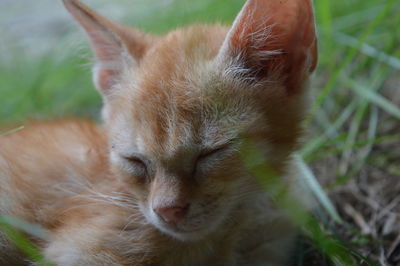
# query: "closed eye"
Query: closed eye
135,160
135,165
228,145
210,152
209,158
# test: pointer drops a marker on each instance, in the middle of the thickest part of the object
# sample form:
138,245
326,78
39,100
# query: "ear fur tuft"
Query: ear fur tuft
274,37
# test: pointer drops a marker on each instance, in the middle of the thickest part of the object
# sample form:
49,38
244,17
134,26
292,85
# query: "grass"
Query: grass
12,227
11,131
354,136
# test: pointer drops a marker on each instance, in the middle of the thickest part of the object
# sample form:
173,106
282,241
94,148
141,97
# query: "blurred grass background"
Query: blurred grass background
353,145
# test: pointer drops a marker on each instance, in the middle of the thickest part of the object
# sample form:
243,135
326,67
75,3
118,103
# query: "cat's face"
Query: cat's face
175,132
176,107
181,168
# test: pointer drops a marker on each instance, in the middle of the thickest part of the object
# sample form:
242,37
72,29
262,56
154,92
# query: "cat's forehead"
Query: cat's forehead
179,56
172,128
173,104
187,44
171,80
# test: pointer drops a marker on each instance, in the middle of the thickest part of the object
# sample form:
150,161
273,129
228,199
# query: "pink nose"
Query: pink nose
172,214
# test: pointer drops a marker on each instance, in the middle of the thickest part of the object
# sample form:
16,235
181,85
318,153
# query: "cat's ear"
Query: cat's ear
273,37
112,44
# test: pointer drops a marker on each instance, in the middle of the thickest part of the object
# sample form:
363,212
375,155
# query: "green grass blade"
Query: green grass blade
372,131
369,50
352,135
349,58
31,229
325,26
337,252
11,131
316,143
338,145
357,17
21,242
310,180
373,97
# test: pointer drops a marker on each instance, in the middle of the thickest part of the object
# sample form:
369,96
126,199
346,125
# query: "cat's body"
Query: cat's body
163,183
93,219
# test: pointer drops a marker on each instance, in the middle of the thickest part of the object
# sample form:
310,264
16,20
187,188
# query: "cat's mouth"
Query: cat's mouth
185,234
196,224
187,225
189,229
181,228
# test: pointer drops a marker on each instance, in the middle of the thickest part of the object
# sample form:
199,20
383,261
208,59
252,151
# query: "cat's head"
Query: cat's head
176,106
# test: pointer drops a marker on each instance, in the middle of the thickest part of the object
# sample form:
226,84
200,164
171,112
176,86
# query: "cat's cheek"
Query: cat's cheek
206,216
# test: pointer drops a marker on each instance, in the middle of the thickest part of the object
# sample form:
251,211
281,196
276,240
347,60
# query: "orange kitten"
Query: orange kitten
170,188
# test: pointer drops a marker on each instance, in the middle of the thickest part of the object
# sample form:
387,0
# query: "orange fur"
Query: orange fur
162,183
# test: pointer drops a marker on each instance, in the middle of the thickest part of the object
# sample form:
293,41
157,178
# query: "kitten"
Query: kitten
167,186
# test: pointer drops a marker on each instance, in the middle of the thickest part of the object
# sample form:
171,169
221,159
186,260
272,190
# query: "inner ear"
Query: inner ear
104,79
273,38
